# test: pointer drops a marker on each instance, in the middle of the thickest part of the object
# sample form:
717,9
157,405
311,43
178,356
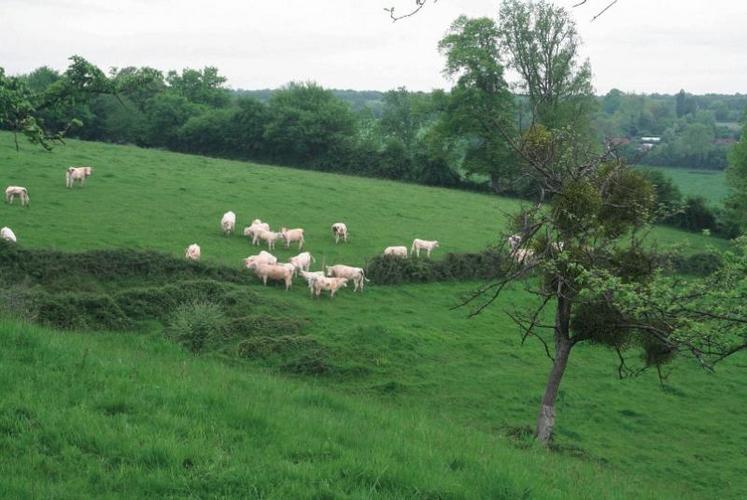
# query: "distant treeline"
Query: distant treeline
398,134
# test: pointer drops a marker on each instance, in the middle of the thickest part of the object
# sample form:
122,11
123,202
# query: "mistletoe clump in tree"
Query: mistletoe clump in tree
595,279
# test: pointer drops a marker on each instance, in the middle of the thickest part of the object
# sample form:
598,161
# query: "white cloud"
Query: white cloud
641,45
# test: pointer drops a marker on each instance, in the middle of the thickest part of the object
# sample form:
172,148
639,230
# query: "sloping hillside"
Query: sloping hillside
394,353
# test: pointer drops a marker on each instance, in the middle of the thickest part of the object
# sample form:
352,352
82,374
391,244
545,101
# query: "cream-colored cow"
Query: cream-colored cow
275,272
355,274
397,251
265,257
12,191
331,284
7,234
302,261
340,230
79,174
292,235
228,222
418,245
193,252
268,236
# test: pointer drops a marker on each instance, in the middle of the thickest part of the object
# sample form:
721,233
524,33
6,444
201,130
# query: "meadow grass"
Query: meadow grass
126,415
398,350
710,184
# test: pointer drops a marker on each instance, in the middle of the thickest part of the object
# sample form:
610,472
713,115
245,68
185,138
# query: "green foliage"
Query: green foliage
197,325
389,270
542,45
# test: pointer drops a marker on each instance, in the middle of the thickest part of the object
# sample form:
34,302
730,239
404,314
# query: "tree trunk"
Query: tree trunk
495,183
563,345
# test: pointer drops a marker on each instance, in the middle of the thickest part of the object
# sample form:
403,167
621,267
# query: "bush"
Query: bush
80,311
197,325
389,270
699,264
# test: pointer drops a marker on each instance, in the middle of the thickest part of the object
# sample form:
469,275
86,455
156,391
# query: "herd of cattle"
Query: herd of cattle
264,264
331,278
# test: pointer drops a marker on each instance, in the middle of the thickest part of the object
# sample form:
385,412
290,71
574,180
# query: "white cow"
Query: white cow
7,234
340,230
292,235
331,284
356,274
265,257
520,255
228,222
400,251
257,225
193,252
310,276
269,236
12,191
274,272
302,261
79,174
418,245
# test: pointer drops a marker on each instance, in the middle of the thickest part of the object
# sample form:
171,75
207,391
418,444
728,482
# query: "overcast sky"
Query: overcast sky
638,45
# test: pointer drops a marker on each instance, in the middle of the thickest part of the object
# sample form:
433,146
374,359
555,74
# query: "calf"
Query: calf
340,230
418,245
291,235
12,191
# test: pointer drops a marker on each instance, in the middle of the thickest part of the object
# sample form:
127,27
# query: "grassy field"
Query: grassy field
710,184
396,353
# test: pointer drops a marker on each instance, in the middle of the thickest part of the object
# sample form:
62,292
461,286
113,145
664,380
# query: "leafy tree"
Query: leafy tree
581,253
542,45
403,115
612,101
166,113
200,86
736,176
306,122
479,99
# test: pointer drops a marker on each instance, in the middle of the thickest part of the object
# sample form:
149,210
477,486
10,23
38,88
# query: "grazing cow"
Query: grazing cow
7,234
418,245
12,191
265,257
228,222
310,276
302,261
400,251
356,274
340,230
291,235
257,225
331,284
79,174
274,272
269,236
520,255
193,252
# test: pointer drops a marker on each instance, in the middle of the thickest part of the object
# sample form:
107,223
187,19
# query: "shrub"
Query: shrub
197,325
80,311
389,270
